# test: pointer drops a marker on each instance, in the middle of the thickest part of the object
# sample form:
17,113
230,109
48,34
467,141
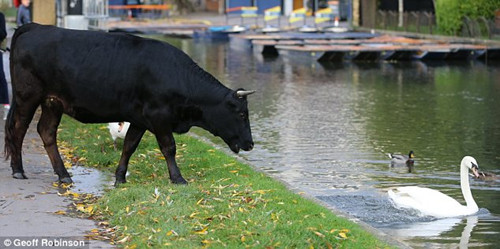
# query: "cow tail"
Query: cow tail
10,147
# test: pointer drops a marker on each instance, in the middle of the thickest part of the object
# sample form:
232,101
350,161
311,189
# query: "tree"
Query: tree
184,6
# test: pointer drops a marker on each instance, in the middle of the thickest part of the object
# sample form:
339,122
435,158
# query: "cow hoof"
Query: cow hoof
19,176
179,181
118,182
66,180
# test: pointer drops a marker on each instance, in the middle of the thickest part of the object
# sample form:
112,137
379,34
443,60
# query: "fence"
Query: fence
425,22
421,22
480,28
145,11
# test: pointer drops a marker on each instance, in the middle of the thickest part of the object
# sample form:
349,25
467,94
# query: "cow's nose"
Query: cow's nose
250,146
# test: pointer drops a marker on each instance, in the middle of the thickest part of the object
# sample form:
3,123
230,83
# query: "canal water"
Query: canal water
325,129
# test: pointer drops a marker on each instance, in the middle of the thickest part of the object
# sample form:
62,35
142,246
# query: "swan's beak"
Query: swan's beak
475,170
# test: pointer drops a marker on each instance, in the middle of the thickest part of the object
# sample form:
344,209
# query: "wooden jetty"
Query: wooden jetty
362,46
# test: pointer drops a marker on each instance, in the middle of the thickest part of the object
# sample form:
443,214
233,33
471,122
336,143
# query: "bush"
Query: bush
450,13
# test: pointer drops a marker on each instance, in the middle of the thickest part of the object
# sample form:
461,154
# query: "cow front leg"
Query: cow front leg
167,147
52,111
132,139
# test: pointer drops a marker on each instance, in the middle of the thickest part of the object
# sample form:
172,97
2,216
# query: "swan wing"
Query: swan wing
113,130
425,200
116,131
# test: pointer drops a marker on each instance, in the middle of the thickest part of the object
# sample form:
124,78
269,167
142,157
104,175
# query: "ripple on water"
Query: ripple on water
374,210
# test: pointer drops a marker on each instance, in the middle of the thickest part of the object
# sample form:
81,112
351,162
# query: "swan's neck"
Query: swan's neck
464,184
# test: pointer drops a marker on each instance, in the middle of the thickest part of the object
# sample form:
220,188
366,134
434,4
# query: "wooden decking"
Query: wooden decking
363,46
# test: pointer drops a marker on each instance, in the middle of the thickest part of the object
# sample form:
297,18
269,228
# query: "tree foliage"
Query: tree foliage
450,13
184,6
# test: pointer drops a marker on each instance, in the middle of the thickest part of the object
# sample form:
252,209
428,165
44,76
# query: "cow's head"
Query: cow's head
229,120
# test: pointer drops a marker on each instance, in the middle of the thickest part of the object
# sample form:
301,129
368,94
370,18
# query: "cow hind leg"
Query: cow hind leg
52,110
132,139
16,126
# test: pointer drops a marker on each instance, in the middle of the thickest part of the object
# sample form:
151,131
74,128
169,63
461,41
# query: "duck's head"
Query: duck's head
471,163
411,154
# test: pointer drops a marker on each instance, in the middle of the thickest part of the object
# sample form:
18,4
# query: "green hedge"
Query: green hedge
449,13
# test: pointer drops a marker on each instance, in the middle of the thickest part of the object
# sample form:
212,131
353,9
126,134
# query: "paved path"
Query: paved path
27,207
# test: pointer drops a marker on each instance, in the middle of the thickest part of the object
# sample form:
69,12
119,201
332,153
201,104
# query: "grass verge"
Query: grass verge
225,205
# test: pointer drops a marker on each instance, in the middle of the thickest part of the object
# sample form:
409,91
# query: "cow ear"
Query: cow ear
232,105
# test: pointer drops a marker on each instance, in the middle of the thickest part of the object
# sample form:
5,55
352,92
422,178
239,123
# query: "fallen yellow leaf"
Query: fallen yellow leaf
122,240
172,232
80,207
103,223
319,234
202,231
89,209
198,202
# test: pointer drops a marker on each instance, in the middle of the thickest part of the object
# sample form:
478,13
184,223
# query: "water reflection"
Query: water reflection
90,180
436,232
325,129
431,229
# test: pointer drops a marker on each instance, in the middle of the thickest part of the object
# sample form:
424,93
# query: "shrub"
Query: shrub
450,13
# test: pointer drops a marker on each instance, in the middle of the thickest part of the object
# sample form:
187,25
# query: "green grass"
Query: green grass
9,12
225,205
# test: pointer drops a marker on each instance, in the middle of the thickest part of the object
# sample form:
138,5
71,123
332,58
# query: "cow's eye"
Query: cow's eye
243,115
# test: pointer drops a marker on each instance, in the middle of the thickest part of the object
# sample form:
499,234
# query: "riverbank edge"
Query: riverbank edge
70,130
384,237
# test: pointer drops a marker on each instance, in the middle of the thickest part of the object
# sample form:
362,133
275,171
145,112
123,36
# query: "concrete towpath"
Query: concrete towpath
28,207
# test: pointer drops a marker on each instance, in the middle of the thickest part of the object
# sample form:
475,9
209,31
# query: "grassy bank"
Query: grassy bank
225,205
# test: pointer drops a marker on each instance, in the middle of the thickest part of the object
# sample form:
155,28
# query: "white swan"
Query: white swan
118,130
434,203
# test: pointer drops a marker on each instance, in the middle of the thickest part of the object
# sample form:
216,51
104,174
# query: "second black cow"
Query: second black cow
97,77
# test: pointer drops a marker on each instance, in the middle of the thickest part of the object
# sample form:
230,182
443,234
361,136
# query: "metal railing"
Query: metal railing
425,22
421,22
96,12
480,28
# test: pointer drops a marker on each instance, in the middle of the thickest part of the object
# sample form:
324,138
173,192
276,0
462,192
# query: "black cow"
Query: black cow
96,77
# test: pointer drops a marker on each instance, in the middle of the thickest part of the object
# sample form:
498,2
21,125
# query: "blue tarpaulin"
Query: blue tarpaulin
266,4
238,3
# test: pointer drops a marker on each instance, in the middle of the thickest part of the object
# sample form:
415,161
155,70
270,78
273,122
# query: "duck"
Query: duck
402,159
486,176
118,130
430,202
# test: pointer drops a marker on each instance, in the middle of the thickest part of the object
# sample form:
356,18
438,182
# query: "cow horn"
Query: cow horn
243,93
